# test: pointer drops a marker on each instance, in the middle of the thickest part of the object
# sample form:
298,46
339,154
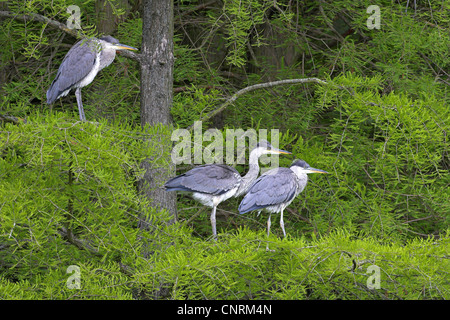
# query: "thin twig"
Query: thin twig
329,24
195,215
194,9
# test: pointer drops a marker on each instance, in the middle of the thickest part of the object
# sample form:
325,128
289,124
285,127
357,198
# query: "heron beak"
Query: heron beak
280,151
120,46
314,170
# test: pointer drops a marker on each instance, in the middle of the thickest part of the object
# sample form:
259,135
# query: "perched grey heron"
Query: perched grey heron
80,66
276,189
212,184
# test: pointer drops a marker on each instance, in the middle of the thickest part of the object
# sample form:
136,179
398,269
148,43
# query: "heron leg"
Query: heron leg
80,104
268,232
213,222
282,223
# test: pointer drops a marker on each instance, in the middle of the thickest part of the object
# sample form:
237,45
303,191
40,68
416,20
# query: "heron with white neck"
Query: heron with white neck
212,184
276,189
80,66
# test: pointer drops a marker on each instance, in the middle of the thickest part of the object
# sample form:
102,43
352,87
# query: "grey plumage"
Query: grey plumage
214,183
276,189
212,179
80,66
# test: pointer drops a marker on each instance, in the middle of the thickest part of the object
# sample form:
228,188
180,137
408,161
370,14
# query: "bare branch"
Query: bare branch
58,25
15,120
256,87
80,244
39,18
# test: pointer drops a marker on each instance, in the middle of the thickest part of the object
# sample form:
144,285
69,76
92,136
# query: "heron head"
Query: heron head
303,167
264,147
113,43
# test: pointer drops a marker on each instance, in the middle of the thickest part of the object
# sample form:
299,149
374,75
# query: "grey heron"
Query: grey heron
276,189
80,66
212,184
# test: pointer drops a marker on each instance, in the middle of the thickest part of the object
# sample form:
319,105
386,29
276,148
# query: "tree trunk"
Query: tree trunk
107,19
156,95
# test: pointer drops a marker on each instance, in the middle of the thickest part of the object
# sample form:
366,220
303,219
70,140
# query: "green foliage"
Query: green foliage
40,203
201,101
391,152
62,180
379,126
239,267
241,18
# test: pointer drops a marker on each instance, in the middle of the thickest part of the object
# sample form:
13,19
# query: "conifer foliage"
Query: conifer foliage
375,116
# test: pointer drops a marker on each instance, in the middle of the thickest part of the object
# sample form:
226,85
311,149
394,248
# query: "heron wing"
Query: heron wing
213,179
275,187
76,65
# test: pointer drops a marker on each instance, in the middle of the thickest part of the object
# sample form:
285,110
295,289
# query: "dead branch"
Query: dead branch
254,87
12,119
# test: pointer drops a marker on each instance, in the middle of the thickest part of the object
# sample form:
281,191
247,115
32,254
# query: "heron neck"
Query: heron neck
302,179
107,56
251,175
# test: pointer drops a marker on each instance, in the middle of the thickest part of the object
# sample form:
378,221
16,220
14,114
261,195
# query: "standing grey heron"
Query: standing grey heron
80,66
212,184
276,189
